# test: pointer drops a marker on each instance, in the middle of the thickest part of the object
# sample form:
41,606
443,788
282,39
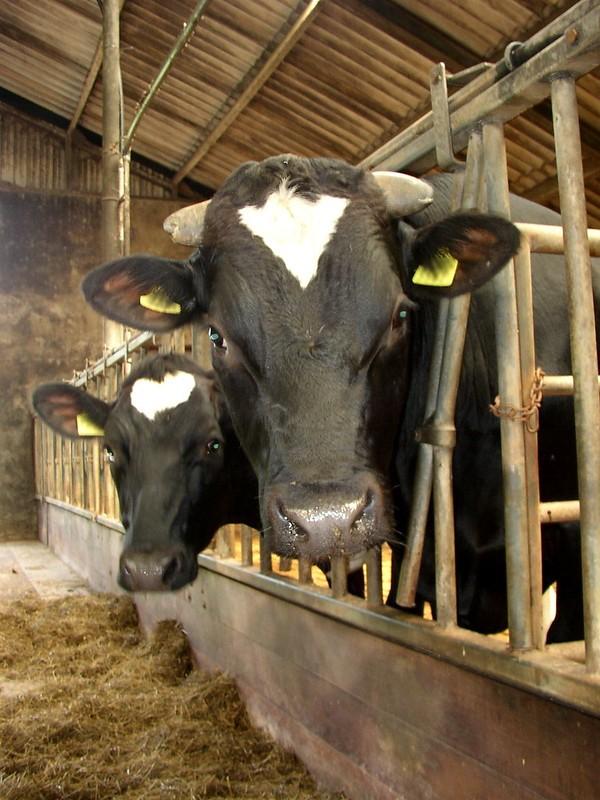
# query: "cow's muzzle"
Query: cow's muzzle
156,570
320,520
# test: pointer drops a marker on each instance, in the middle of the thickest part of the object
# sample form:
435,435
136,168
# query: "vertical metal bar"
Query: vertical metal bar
339,576
417,523
50,463
458,316
266,564
304,570
583,350
374,587
422,489
509,385
524,295
246,543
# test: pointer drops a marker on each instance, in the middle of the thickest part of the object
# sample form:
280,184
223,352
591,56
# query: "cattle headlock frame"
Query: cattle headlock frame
259,623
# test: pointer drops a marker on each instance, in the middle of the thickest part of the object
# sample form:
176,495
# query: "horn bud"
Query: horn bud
404,194
185,226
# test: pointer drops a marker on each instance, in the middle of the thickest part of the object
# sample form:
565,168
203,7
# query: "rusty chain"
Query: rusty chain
530,413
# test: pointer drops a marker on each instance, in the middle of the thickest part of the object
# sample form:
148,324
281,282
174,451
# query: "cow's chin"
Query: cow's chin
340,520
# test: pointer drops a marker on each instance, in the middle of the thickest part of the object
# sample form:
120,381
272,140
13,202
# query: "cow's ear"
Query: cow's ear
456,255
145,292
70,411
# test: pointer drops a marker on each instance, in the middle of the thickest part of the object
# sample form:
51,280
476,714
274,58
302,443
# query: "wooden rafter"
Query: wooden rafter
222,121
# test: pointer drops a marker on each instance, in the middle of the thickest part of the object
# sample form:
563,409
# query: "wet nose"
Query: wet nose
156,570
322,520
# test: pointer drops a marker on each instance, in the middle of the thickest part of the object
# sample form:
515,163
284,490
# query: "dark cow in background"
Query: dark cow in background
477,467
179,470
309,290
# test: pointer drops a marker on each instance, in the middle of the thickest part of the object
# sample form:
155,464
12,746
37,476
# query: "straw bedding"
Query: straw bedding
91,709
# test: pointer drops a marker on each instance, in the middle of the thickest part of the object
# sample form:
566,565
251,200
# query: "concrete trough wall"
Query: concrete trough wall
367,715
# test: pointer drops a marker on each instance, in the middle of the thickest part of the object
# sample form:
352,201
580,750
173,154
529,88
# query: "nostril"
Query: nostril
288,519
281,511
126,568
365,509
171,570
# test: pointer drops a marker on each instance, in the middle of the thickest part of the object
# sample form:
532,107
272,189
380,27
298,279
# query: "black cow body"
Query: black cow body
308,289
477,470
180,475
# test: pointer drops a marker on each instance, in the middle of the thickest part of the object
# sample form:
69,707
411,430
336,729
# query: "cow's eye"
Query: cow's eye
109,453
213,447
217,340
402,314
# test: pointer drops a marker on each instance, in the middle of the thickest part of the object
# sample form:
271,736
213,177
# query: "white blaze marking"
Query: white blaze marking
151,397
295,229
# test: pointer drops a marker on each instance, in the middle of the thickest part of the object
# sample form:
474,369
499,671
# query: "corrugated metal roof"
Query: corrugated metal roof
358,74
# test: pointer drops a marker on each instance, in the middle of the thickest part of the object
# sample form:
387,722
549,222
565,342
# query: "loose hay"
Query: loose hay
90,709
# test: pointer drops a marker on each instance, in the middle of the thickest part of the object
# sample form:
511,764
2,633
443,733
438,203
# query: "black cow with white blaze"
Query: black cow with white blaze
309,290
179,470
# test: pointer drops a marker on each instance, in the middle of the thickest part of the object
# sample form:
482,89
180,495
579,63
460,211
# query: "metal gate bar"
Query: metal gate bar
516,512
583,350
524,298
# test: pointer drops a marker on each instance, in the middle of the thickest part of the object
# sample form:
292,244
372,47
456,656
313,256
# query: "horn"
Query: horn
404,194
185,226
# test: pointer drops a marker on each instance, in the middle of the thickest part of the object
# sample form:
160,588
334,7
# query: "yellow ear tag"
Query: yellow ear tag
440,272
157,300
87,427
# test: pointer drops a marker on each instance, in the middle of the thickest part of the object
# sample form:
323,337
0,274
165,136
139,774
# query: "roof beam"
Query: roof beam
220,125
186,33
90,80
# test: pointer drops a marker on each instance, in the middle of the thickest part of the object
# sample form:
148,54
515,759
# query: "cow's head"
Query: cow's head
164,443
308,288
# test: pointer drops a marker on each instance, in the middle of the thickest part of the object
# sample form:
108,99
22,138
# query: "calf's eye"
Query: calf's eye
213,447
217,340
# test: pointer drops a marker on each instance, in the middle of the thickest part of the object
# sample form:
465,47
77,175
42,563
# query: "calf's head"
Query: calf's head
163,441
307,286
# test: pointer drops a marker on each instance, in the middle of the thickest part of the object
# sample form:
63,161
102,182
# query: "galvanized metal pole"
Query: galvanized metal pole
509,385
439,406
443,421
112,175
583,350
524,295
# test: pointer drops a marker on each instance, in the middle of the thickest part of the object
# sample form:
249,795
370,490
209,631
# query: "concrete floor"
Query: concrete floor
29,566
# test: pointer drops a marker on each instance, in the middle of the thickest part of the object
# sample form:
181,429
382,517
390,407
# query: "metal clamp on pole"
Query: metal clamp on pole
438,435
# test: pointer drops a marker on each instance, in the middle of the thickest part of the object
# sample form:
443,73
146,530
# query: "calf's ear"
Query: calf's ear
457,255
145,292
70,411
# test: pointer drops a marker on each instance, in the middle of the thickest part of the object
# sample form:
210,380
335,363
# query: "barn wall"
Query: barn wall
374,718
49,239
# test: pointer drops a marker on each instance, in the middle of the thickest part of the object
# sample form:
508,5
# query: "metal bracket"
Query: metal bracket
437,435
441,119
